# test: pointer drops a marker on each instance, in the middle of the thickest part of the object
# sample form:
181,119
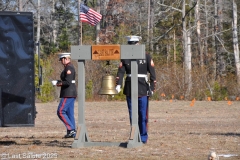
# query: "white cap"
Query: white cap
62,55
133,38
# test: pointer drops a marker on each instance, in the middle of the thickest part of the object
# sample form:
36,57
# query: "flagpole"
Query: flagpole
98,25
79,25
81,32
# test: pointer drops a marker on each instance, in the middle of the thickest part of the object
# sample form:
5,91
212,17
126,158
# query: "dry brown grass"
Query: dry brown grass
176,131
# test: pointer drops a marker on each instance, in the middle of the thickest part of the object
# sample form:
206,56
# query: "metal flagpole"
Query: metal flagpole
79,25
98,25
81,33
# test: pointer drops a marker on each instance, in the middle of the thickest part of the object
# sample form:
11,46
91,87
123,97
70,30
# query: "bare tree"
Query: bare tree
186,37
206,32
187,53
235,41
149,35
20,5
220,62
151,5
38,25
54,23
197,17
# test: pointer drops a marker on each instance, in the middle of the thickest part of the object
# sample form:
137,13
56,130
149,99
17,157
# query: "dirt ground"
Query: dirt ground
179,130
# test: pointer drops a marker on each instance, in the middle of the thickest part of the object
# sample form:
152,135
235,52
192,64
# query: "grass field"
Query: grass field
178,130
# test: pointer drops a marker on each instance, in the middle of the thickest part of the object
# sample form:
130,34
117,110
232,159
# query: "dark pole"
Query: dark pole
79,25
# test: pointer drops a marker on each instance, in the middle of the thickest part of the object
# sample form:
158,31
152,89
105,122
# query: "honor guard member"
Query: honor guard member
68,95
145,89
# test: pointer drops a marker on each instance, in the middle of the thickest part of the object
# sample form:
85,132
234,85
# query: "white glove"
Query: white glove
118,88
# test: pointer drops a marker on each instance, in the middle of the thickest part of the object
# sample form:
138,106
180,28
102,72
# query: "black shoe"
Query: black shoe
71,134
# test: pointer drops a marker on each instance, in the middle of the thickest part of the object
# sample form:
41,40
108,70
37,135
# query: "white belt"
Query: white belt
73,81
139,75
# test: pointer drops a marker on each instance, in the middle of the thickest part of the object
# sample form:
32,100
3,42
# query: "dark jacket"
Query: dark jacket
145,66
68,88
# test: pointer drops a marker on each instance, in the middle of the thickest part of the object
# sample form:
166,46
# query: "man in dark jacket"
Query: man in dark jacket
68,95
145,66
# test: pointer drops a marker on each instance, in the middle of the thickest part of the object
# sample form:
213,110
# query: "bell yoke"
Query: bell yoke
136,64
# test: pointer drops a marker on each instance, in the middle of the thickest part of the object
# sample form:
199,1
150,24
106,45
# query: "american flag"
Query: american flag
88,15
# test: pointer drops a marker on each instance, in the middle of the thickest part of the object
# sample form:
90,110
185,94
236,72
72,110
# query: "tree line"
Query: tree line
194,43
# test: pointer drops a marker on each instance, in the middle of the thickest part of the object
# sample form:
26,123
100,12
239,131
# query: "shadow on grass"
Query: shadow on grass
65,143
7,143
219,134
31,141
226,134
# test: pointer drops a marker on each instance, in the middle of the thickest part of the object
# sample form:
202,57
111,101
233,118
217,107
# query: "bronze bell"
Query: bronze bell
108,85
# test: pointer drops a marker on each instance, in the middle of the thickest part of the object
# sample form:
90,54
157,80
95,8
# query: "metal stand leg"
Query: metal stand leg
135,139
81,137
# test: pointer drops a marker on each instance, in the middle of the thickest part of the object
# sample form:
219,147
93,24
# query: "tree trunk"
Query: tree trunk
188,60
168,54
235,42
220,62
174,51
197,16
54,23
151,23
38,25
206,35
148,25
19,5
214,41
187,55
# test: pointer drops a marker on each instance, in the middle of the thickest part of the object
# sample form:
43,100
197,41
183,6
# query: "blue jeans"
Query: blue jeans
65,112
142,115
